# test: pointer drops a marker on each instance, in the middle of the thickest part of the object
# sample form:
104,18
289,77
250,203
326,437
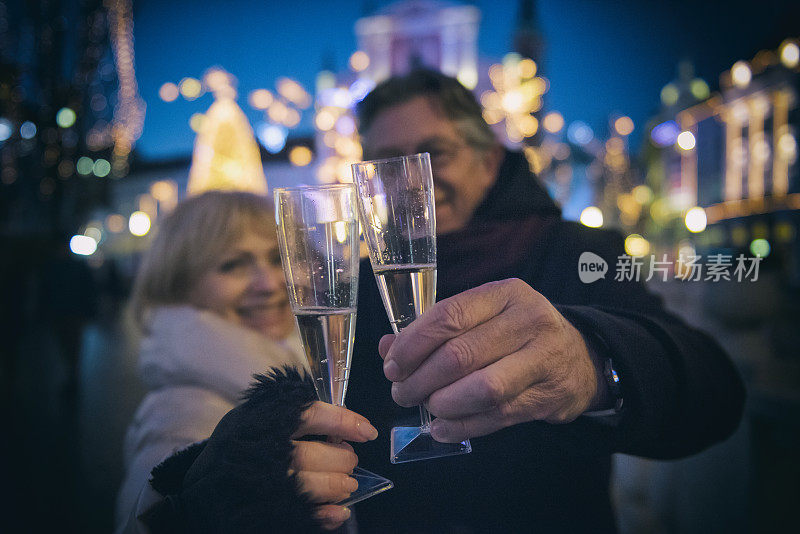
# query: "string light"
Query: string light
130,108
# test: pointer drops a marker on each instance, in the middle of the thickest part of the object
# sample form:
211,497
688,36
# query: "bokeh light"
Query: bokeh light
272,137
699,89
93,231
623,125
686,140
592,217
300,156
696,219
82,245
260,98
790,54
669,95
27,130
741,74
191,88
5,129
760,247
65,117
359,61
553,122
579,133
139,223
196,122
665,133
168,92
84,166
636,246
101,168
115,223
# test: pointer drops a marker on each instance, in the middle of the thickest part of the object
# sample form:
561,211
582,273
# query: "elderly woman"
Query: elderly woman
211,305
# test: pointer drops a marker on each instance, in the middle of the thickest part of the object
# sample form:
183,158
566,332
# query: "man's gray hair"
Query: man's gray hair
456,102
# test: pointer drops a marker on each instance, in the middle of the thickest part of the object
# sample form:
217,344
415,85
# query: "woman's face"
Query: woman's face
247,287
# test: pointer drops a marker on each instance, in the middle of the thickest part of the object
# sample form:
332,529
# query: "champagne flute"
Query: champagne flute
318,239
398,213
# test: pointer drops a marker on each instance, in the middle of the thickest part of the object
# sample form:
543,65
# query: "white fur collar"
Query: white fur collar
190,347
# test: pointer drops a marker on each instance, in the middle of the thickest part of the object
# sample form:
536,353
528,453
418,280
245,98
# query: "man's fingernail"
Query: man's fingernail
391,370
367,431
351,484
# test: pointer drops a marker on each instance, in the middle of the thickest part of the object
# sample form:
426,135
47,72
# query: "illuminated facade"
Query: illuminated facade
439,35
735,156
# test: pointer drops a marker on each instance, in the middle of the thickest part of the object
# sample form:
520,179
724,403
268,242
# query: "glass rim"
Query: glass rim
419,155
313,187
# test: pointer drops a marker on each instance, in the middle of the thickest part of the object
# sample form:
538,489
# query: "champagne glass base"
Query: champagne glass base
369,485
411,443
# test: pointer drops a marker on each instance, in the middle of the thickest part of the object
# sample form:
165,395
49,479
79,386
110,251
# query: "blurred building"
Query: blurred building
734,154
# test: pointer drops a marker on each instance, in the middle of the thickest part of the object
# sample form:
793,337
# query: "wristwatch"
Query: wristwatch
612,381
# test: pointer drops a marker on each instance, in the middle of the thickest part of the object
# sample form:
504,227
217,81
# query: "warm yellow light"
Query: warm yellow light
325,120
513,101
696,219
553,122
699,89
623,125
527,68
196,122
741,74
139,223
300,156
642,194
636,246
293,92
686,140
168,92
340,231
162,190
669,95
278,112
260,98
292,118
528,125
790,54
787,146
359,61
115,223
190,88
592,217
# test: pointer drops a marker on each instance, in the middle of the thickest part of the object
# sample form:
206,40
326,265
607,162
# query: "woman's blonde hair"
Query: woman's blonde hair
189,242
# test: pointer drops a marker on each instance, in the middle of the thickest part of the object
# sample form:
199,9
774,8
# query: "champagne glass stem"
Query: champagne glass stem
425,418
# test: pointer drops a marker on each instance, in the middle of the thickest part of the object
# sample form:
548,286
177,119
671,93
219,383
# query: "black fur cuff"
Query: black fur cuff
237,480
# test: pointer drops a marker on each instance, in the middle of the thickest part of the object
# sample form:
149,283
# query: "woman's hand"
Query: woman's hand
323,468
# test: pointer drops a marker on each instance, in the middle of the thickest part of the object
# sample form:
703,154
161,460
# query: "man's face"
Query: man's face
461,175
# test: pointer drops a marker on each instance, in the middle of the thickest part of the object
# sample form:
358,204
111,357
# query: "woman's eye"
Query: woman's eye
232,265
274,259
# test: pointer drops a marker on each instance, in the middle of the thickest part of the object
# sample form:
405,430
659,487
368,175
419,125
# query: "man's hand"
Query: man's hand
323,468
491,357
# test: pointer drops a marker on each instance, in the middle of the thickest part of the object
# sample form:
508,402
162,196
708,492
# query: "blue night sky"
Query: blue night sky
601,57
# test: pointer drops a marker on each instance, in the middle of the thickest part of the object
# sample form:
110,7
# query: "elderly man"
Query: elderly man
546,374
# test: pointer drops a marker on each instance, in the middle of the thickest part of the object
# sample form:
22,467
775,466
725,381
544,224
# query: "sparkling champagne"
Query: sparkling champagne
407,291
327,336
